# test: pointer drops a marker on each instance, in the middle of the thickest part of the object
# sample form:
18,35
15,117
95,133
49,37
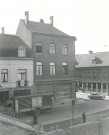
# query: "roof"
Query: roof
10,41
43,28
9,46
86,60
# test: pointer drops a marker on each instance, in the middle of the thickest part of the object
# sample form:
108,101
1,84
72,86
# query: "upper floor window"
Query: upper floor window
89,74
52,68
84,74
65,68
21,74
38,48
80,74
4,75
21,51
39,68
64,49
52,49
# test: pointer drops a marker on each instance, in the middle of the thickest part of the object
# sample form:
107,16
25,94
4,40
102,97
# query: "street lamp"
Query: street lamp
73,104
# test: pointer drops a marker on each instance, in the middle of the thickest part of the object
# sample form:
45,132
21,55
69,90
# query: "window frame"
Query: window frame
64,49
52,68
65,67
52,48
21,52
22,73
39,45
39,70
2,77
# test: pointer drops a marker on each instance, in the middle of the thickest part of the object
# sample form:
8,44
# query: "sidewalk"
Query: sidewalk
67,102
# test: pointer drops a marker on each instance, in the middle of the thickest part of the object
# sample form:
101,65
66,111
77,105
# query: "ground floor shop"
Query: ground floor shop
60,90
94,86
7,93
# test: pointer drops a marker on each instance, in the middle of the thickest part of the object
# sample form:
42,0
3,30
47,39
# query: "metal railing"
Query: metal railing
18,116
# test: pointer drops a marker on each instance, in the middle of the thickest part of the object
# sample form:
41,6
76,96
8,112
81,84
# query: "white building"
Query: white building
16,67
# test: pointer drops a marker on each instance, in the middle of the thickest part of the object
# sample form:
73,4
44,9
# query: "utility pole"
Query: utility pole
34,64
73,104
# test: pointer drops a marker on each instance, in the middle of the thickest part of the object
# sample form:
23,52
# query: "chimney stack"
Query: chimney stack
2,30
26,17
51,20
90,52
41,21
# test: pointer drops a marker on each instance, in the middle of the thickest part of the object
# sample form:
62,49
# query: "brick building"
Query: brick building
92,71
16,67
54,55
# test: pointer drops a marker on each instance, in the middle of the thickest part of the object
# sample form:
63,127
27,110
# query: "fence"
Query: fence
21,117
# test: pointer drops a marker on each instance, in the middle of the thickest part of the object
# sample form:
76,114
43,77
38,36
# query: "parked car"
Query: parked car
96,95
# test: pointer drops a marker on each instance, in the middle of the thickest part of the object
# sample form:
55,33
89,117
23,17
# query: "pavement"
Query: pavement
67,102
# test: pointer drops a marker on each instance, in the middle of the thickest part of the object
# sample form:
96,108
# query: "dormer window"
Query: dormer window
21,52
96,60
93,60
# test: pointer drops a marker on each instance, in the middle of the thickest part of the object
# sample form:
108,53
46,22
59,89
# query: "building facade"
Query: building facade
16,67
54,56
92,72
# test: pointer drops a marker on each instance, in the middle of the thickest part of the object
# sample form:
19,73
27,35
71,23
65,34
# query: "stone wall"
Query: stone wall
100,127
11,126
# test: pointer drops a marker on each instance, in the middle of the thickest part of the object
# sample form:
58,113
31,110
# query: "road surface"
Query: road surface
63,113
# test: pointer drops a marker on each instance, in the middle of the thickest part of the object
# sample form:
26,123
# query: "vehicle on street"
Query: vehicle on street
35,103
96,95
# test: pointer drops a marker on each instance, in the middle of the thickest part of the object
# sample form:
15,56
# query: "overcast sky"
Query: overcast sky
88,20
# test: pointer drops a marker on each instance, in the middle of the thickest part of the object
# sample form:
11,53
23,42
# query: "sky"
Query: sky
88,20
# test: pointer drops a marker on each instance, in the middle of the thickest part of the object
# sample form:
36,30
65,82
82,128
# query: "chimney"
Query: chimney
41,21
51,20
90,52
26,17
2,30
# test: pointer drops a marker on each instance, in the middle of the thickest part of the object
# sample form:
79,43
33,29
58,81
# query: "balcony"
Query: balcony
22,83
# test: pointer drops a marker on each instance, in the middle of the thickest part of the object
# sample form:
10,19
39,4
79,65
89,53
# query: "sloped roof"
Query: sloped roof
9,46
43,28
85,60
10,41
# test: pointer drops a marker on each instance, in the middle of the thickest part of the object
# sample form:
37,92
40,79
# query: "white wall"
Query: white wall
13,65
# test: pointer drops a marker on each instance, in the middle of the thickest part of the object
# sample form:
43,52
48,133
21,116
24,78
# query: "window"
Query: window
64,49
79,72
84,74
21,92
38,48
52,68
4,75
93,74
52,49
22,74
21,52
89,74
39,68
65,68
